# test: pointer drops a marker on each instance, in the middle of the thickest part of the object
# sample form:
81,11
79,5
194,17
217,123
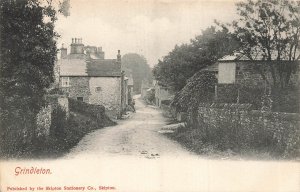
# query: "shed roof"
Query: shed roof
255,57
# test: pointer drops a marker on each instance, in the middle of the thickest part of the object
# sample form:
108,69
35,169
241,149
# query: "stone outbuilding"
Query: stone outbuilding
162,94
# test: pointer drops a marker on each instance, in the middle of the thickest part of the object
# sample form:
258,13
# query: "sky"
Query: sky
151,28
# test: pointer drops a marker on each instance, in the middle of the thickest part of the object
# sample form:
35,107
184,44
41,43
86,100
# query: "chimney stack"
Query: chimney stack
63,52
77,47
119,56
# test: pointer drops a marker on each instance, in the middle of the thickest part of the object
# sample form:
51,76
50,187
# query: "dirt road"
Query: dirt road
136,136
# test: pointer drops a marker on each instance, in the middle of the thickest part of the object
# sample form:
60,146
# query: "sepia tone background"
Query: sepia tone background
150,28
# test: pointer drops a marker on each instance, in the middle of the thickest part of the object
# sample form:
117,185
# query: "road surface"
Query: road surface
137,136
134,157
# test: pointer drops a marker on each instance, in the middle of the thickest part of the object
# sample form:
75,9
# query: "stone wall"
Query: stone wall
106,91
238,126
44,117
78,87
43,121
63,102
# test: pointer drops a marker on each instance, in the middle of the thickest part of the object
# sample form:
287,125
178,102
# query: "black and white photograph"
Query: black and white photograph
150,95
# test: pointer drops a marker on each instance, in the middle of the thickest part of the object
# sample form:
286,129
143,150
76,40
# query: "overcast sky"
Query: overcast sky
149,28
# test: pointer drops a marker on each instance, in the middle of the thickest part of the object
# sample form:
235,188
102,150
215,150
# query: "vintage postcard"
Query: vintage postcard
150,95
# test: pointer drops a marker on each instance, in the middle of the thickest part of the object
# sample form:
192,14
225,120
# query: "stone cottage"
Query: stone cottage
161,94
85,75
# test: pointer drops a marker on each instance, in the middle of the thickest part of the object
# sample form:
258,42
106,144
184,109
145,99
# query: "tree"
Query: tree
185,60
28,52
176,68
137,66
270,30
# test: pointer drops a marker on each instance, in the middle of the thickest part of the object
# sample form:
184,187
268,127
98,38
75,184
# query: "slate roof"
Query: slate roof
89,68
103,68
72,67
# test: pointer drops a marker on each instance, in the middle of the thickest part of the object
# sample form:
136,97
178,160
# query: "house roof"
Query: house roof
72,67
89,68
103,68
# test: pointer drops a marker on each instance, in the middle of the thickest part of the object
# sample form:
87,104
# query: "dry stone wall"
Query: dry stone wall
238,126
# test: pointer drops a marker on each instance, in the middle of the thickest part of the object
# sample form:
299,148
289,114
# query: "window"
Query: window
80,98
65,82
98,89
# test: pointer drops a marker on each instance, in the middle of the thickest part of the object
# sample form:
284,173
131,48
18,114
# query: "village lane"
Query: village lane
137,136
134,157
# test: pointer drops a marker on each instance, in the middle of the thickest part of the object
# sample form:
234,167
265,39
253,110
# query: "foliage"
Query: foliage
58,122
286,100
137,66
233,93
64,7
150,96
199,88
94,111
270,30
185,60
27,52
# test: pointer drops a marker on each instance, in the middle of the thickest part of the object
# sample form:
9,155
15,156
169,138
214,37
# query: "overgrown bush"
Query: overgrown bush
286,99
199,88
150,96
85,108
17,129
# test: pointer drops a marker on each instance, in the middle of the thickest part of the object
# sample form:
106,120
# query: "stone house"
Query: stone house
161,94
86,75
